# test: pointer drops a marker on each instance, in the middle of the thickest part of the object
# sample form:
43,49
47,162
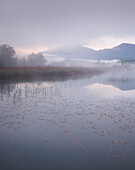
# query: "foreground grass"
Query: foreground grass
22,73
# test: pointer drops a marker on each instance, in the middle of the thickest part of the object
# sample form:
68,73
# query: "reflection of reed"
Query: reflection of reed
6,89
18,92
57,112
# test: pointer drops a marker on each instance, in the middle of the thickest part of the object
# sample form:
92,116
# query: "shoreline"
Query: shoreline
46,73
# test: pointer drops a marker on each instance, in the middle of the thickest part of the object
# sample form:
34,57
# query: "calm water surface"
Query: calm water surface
84,124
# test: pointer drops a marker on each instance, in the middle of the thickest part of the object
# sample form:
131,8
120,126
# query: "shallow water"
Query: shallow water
84,124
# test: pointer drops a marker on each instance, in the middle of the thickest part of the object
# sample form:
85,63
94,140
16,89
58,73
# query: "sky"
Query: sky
37,25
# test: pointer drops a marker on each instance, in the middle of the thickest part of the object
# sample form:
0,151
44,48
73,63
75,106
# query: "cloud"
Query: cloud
108,41
51,23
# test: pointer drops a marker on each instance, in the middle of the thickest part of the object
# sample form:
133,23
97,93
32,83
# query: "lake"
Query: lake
76,124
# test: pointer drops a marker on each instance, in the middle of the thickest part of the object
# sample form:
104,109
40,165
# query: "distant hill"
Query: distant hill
77,52
123,51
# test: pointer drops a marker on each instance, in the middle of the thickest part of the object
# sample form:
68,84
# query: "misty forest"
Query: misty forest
67,85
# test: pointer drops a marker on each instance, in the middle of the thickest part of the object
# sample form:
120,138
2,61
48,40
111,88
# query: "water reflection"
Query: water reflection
74,124
106,91
123,79
6,89
17,92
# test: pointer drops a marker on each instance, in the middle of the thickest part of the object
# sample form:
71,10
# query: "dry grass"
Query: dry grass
21,73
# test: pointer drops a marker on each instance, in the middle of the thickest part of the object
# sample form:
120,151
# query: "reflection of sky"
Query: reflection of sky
107,91
60,125
123,79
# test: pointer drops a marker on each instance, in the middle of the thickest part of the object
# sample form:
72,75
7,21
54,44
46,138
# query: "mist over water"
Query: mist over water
81,62
67,85
87,123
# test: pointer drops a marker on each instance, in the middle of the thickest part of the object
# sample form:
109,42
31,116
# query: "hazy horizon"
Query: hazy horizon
45,24
23,52
70,107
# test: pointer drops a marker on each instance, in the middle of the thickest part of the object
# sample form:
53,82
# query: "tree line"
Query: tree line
8,58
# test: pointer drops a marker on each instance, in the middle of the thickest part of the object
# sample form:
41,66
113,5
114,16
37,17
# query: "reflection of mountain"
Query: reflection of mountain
124,51
124,80
122,85
100,90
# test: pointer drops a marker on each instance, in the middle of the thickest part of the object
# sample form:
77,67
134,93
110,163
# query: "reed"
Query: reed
20,73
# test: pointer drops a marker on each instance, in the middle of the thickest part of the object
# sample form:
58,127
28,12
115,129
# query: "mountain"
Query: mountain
123,51
77,52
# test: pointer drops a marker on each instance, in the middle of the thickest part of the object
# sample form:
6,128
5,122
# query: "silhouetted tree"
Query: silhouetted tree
36,59
7,54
